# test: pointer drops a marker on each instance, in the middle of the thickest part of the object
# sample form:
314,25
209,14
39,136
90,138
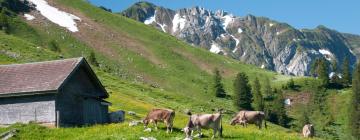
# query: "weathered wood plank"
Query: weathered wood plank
8,134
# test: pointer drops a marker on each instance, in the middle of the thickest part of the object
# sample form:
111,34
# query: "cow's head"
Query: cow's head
187,130
145,122
234,121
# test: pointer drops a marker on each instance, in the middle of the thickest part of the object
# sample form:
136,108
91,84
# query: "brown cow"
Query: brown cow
252,117
160,115
205,121
308,130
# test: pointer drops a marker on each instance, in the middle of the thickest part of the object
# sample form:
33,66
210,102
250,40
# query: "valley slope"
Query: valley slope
141,68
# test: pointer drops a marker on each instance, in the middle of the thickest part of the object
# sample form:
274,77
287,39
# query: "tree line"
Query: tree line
255,96
262,97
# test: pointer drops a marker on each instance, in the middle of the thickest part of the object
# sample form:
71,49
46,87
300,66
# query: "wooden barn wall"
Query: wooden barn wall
76,102
39,108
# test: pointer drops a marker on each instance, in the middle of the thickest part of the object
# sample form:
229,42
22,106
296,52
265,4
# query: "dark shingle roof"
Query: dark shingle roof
35,77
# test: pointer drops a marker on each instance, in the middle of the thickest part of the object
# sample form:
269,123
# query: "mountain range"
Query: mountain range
254,40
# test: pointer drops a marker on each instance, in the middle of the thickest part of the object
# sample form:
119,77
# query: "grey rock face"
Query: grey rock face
253,40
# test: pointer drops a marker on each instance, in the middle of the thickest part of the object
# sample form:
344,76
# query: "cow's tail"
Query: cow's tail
172,114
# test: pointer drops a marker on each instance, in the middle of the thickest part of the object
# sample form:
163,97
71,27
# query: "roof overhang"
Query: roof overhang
6,95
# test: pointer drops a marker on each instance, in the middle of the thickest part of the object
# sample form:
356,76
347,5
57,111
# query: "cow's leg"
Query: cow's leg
199,131
155,123
259,124
171,127
167,126
214,134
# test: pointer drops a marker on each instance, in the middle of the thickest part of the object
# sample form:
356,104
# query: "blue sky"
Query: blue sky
341,15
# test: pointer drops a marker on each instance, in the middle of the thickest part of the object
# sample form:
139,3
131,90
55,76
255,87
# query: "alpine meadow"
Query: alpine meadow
153,73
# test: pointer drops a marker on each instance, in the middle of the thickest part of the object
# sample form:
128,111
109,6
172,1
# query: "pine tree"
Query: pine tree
258,103
314,68
266,90
53,46
290,84
242,92
334,66
218,86
354,108
323,72
317,100
4,23
92,59
346,76
279,109
303,119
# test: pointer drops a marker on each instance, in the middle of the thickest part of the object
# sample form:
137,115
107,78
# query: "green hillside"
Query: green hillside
141,68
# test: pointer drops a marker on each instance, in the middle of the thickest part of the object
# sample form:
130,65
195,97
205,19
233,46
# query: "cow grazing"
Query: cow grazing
308,130
251,117
160,115
203,121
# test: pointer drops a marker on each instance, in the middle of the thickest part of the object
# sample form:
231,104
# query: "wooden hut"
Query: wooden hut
61,93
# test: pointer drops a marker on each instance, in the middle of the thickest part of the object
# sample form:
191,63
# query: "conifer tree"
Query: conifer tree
258,103
303,119
53,46
280,109
242,92
354,108
290,84
323,72
218,86
346,75
92,59
266,90
4,23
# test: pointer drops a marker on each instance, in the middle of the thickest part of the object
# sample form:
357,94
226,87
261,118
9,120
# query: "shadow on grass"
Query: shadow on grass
177,130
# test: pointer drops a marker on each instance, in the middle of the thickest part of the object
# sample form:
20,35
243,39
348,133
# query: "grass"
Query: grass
129,68
123,131
139,98
126,96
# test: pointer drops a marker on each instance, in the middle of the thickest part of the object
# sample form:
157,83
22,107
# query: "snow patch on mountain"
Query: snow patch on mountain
178,22
240,30
56,16
296,39
327,54
29,17
236,40
351,51
222,35
262,66
314,52
215,48
227,20
150,20
162,27
235,49
243,54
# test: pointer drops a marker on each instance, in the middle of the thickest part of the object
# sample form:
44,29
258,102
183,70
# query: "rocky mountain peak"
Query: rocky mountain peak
254,40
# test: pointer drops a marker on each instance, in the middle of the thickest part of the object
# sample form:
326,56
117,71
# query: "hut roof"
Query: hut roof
38,77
